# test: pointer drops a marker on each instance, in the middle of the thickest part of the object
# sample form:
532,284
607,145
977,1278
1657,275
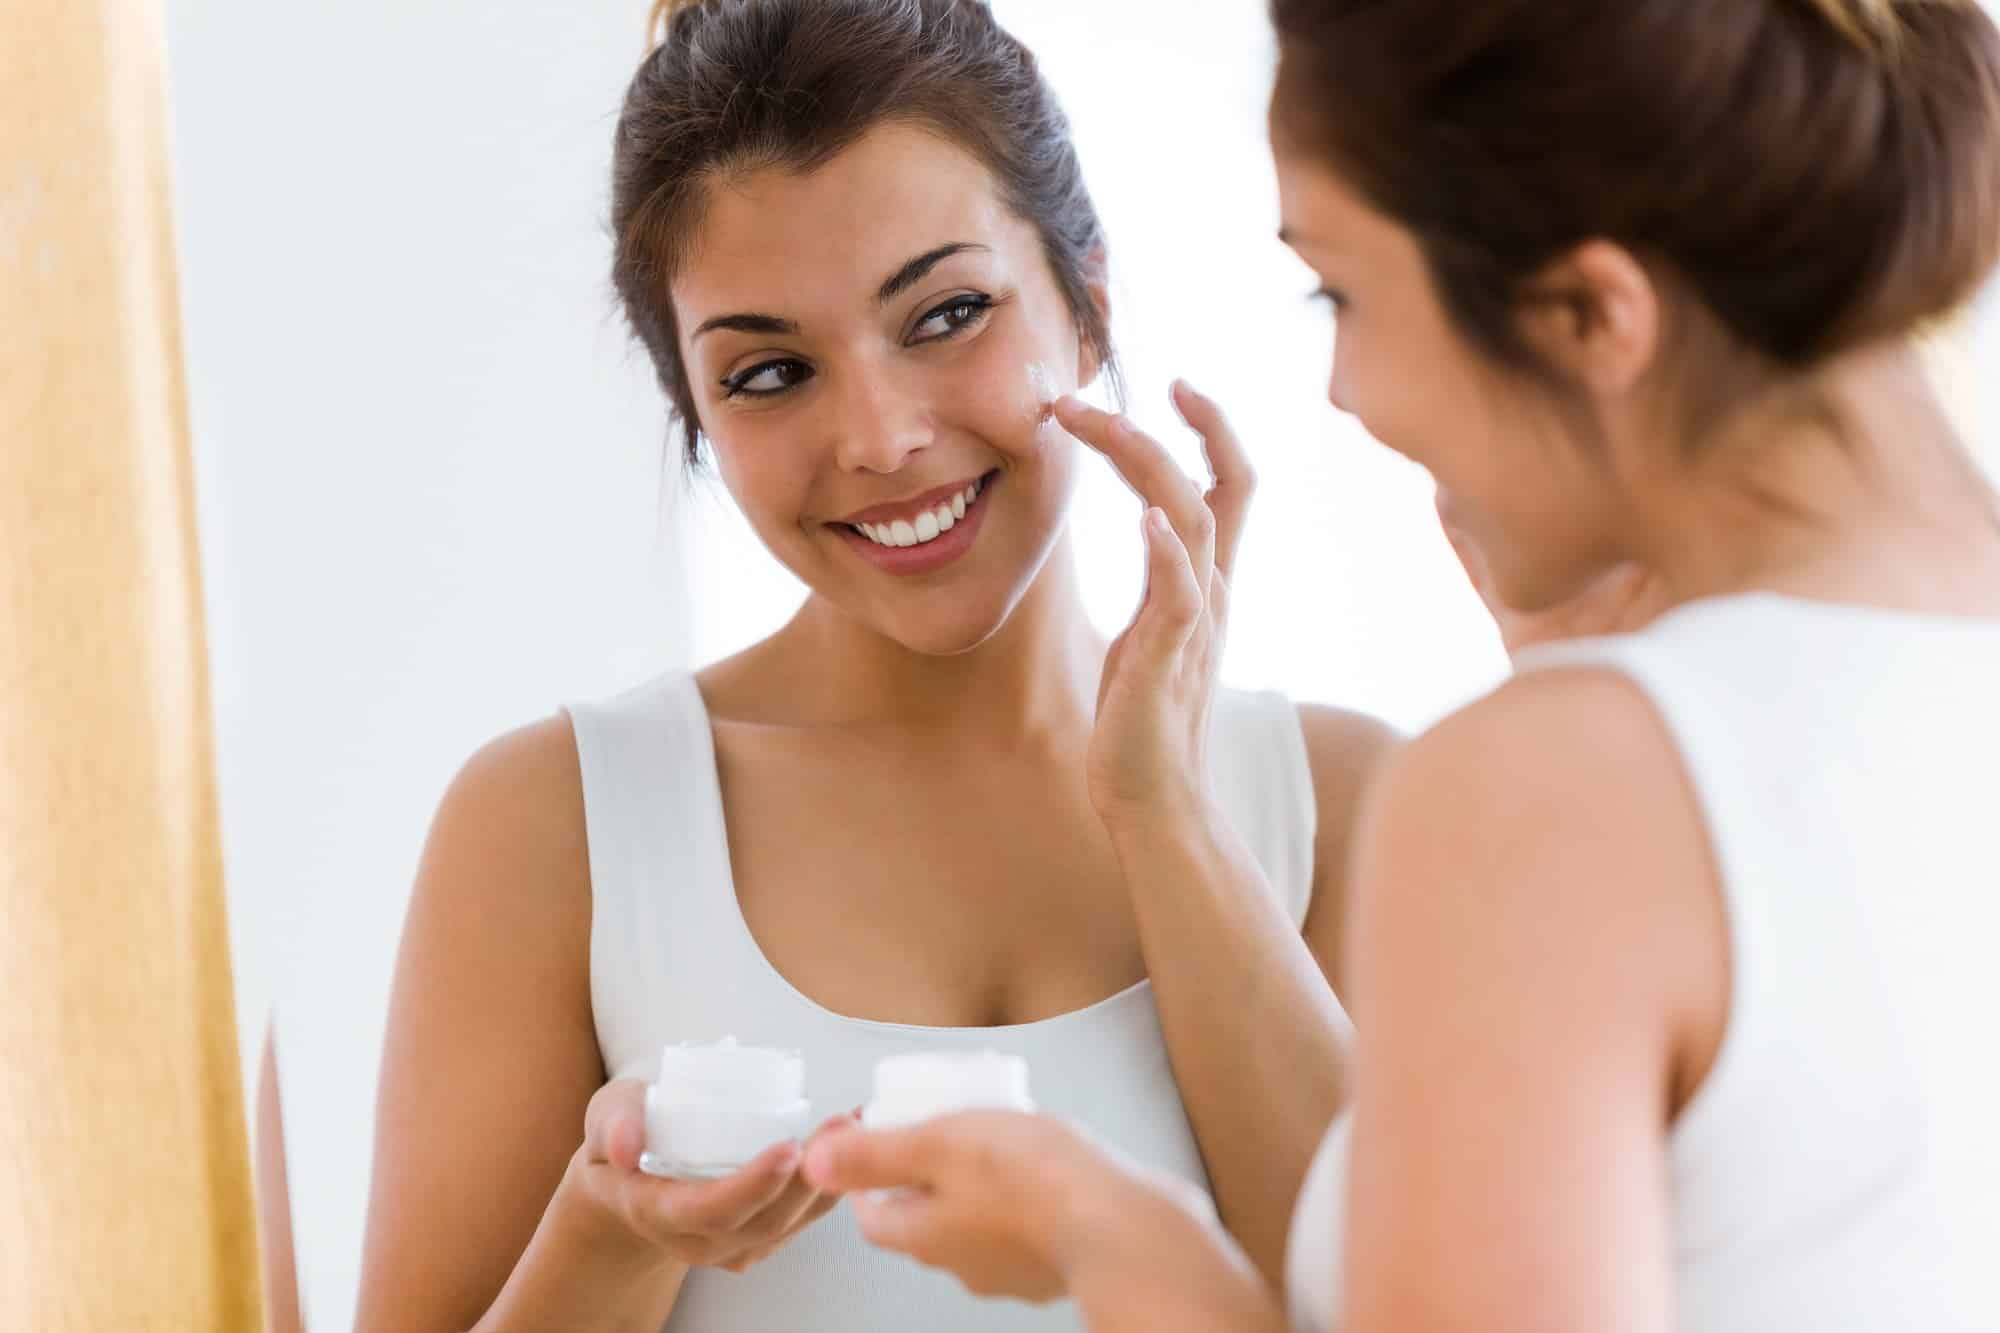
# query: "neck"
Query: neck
1870,497
1037,674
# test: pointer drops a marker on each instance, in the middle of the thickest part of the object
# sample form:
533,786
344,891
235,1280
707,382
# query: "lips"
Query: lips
907,511
938,537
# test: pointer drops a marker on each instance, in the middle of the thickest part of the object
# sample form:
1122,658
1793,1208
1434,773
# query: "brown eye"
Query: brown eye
953,317
767,378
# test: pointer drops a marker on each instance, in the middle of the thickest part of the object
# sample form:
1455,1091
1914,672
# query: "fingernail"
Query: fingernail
1156,519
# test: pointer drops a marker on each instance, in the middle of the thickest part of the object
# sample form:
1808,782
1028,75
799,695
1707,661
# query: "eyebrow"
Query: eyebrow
912,273
904,278
768,324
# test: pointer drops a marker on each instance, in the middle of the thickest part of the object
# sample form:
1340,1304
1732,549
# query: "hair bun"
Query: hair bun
1872,25
663,16
1883,27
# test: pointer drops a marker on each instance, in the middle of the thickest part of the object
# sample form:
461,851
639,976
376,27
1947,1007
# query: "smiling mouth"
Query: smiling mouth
925,525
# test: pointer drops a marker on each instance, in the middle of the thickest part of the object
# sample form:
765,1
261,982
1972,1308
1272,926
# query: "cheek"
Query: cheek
762,475
1374,384
1001,396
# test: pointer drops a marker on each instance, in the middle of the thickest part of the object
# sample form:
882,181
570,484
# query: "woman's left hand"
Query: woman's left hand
1148,750
1009,1203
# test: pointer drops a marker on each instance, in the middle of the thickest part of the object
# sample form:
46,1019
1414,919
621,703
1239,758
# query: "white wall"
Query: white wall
431,477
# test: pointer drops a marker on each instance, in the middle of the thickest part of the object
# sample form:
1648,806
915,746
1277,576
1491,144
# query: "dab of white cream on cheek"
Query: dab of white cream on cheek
1042,387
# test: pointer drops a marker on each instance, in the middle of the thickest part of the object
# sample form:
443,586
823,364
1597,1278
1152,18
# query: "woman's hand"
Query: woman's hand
1622,599
1011,1204
1148,750
730,1223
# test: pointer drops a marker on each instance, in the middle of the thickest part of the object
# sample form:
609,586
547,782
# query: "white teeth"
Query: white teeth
926,527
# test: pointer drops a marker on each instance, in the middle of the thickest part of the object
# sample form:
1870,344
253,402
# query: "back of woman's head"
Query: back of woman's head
737,86
1821,174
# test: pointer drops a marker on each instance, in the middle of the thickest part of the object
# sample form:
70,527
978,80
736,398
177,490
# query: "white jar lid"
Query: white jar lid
729,1075
922,1084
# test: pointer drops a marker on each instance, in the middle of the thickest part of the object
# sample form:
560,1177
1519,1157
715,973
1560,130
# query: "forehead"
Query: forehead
776,237
1324,215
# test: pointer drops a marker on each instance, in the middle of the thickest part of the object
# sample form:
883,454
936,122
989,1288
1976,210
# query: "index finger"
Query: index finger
1149,469
1235,479
879,1159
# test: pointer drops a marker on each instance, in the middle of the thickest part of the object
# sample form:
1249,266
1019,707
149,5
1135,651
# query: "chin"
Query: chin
948,638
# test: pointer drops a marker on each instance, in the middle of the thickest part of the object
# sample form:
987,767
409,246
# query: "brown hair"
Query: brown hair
742,85
1820,173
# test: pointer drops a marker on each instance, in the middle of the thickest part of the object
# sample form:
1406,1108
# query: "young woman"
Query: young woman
853,236
1646,940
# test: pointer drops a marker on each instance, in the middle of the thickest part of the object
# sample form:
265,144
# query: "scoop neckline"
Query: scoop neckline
1833,606
1825,609
716,820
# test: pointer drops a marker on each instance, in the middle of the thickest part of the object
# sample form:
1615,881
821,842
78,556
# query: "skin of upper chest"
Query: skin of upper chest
922,882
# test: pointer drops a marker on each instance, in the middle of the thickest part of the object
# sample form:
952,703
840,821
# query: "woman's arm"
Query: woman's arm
507,1190
1256,1037
1541,958
490,1063
1158,1268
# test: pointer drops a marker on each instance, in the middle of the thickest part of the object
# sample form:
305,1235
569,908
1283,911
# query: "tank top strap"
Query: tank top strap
1263,781
659,861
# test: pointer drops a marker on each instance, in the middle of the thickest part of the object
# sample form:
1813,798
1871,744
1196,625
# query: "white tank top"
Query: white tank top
672,960
1839,1170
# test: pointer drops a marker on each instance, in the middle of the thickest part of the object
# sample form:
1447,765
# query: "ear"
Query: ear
1595,316
1096,281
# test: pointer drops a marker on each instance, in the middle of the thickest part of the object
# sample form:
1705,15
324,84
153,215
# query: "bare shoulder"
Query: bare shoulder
1550,831
1543,753
532,771
521,797
1346,749
507,858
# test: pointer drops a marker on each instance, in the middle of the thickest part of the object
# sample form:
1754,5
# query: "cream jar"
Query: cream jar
713,1108
914,1087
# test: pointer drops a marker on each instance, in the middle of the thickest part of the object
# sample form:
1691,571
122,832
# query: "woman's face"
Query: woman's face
1513,472
871,346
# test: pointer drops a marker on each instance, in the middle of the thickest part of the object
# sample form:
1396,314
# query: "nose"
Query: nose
1339,391
1341,371
879,423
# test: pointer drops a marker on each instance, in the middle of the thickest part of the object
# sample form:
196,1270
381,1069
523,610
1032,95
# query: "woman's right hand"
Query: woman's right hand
731,1223
1623,599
